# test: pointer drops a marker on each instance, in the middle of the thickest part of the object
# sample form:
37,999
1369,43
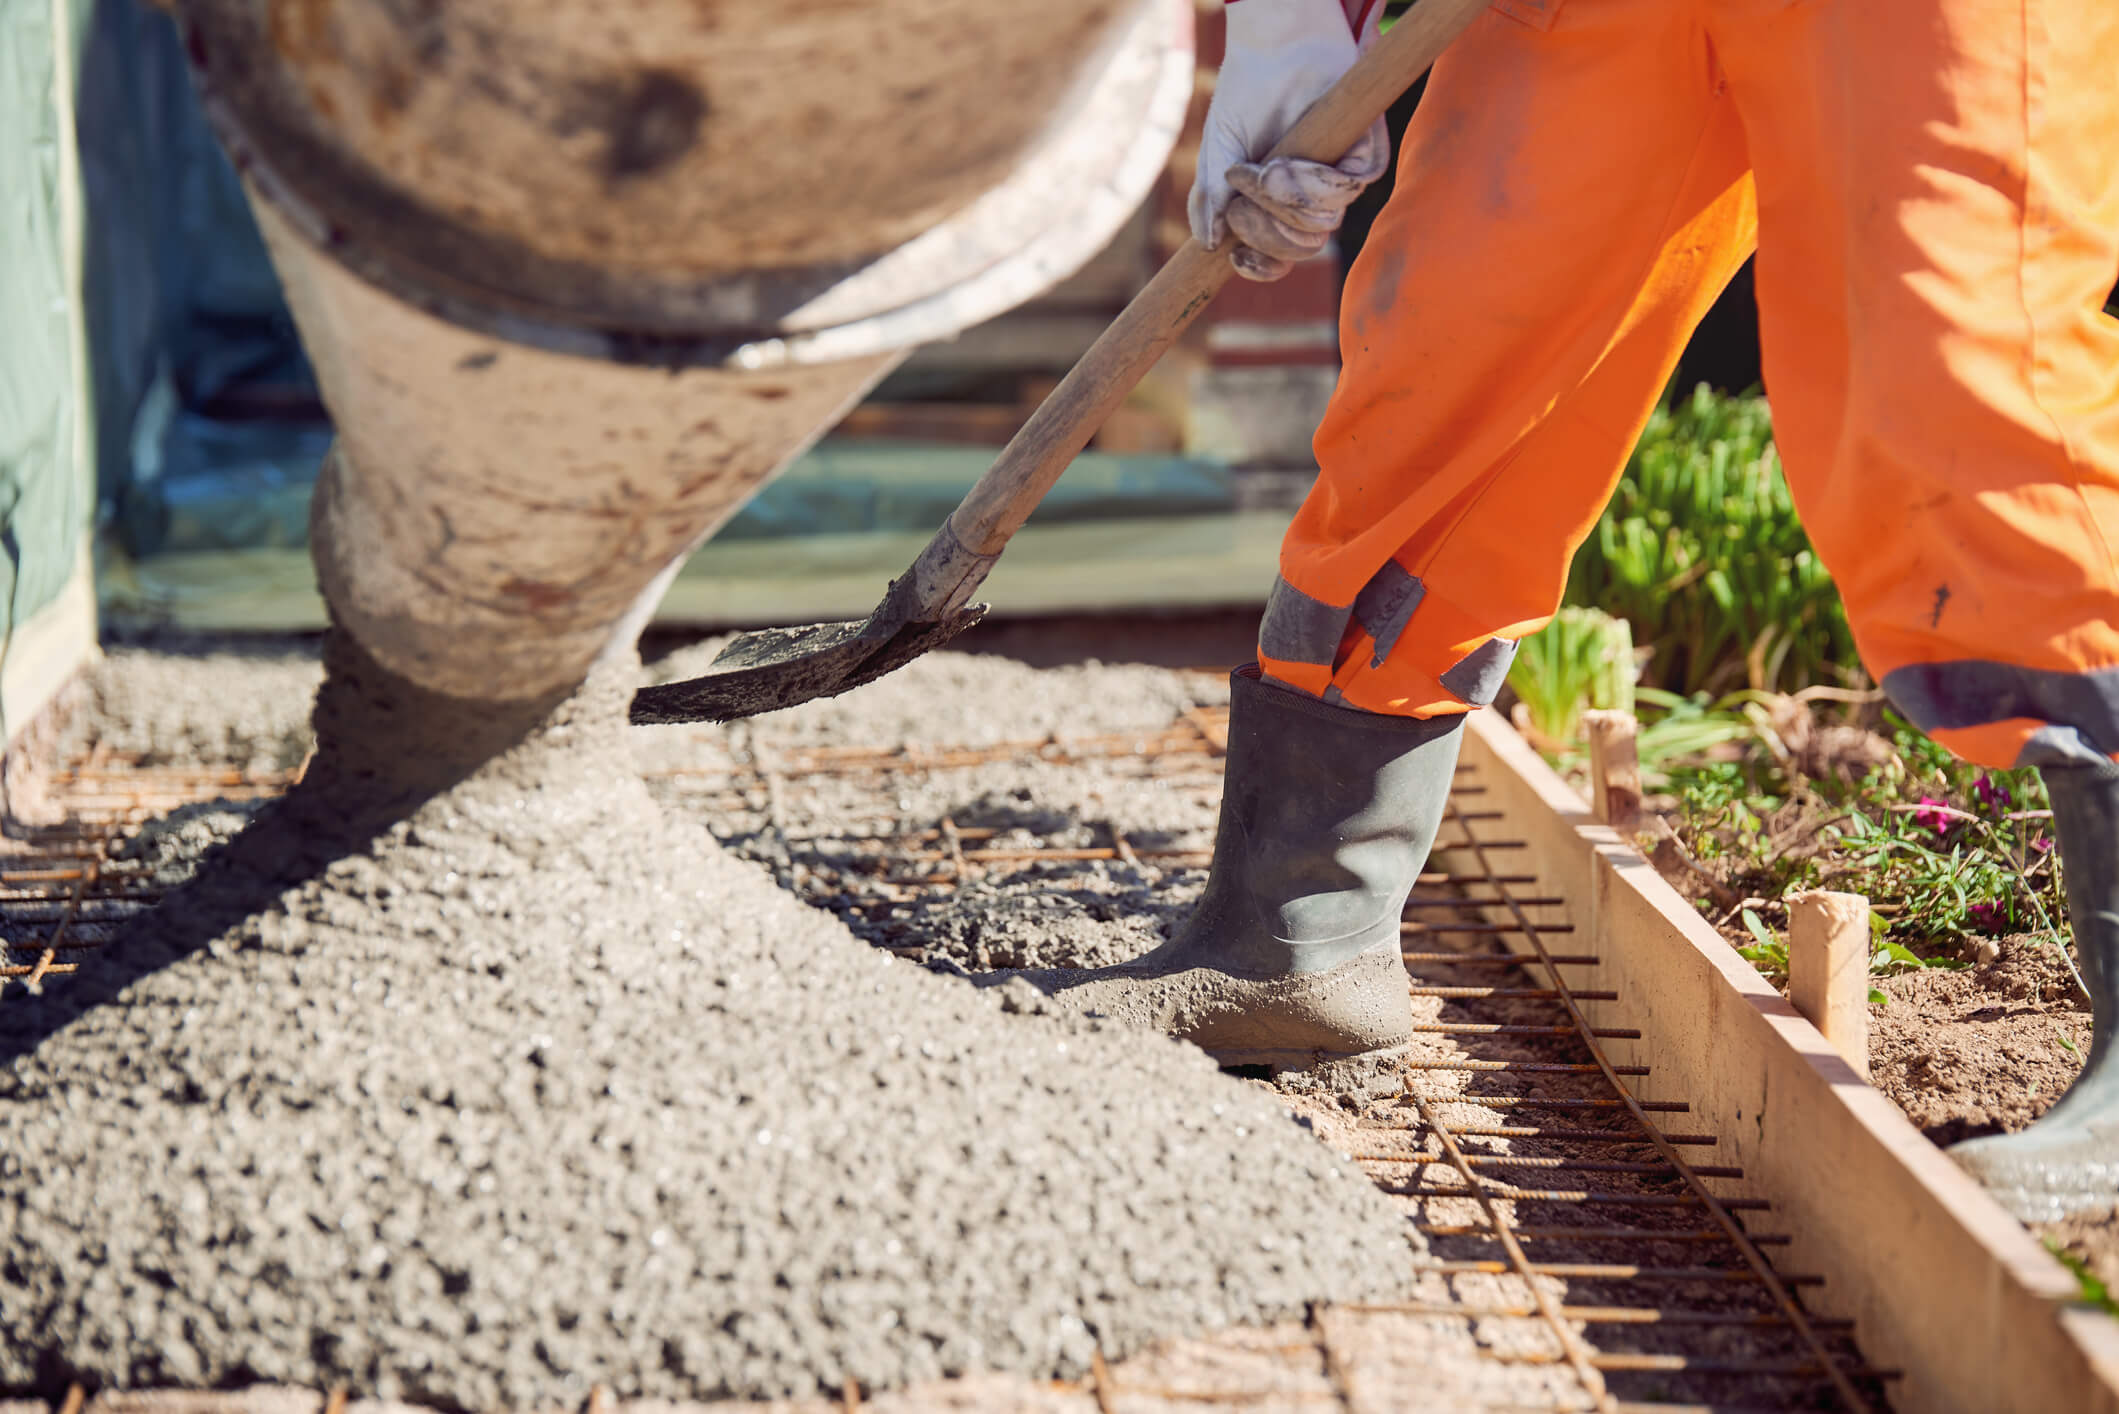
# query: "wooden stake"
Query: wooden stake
1614,767
1828,968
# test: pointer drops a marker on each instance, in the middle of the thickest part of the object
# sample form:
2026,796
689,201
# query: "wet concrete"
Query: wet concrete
1026,913
248,711
962,699
478,1082
820,836
171,847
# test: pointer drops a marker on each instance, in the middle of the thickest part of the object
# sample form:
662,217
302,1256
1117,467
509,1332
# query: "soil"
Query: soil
1983,1050
1987,1050
466,1075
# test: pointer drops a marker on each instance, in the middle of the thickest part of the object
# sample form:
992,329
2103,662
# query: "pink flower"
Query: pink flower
1987,917
2041,843
1933,815
1992,794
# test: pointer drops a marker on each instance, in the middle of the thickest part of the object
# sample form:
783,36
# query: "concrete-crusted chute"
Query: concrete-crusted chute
578,278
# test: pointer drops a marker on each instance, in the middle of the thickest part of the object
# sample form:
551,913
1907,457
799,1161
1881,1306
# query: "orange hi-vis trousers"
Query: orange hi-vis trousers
1932,188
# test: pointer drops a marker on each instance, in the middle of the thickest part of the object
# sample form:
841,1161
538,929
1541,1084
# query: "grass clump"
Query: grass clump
1582,660
1701,552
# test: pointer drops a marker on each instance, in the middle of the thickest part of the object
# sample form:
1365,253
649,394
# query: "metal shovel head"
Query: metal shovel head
771,668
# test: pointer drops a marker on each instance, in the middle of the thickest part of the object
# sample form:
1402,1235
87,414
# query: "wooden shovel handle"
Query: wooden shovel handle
994,509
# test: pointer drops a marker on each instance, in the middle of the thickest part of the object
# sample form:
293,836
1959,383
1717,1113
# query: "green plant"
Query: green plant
1701,551
1955,847
1701,557
1968,886
1674,727
1722,809
1583,659
2091,1287
1769,954
1940,849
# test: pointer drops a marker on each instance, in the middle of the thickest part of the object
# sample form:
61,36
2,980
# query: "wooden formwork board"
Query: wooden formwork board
1940,1281
40,660
41,654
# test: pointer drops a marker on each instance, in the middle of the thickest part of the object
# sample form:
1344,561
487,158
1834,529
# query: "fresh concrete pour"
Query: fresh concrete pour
1083,913
531,1089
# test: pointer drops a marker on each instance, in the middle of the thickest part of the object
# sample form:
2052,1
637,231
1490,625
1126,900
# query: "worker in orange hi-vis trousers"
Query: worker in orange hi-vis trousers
1932,188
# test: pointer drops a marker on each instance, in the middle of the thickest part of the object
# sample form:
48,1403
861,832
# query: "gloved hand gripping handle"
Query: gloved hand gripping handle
955,563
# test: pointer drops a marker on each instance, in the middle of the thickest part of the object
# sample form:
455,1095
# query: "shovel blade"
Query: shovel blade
774,668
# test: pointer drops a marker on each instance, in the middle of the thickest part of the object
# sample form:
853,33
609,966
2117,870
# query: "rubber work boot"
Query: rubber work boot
1292,957
2068,1161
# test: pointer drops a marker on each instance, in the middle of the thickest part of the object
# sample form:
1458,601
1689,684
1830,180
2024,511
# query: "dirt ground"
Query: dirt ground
1980,1051
1987,1050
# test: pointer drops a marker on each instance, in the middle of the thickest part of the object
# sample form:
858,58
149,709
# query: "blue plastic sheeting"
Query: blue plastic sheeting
223,486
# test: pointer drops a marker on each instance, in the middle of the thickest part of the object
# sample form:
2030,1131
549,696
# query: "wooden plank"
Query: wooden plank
955,424
1939,1280
46,650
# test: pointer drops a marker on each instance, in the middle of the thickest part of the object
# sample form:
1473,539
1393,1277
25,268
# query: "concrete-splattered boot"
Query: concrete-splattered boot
2068,1161
1292,957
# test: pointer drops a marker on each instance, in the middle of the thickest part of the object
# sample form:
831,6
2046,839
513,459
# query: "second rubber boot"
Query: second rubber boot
2067,1162
1293,957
